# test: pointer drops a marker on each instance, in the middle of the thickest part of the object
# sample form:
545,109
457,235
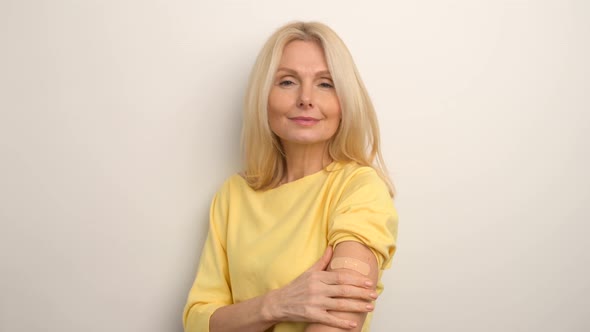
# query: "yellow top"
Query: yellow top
262,240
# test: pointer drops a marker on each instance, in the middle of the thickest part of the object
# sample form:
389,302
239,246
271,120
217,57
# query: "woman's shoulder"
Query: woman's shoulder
342,172
352,176
352,169
234,182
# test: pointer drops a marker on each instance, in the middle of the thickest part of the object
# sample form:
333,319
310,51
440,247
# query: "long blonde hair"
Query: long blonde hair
357,138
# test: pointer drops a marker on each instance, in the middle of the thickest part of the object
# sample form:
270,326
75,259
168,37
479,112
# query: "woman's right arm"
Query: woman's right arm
309,298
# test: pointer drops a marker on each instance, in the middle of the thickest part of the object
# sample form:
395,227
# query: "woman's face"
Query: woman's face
303,108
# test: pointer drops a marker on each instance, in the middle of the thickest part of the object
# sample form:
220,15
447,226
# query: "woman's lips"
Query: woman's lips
304,121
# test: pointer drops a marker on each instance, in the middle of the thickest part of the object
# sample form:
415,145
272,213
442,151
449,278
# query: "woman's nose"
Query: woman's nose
305,97
305,103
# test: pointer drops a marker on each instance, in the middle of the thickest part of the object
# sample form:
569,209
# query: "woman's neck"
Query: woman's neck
303,160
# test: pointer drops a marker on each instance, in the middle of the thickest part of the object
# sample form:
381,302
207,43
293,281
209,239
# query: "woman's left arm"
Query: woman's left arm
362,227
359,261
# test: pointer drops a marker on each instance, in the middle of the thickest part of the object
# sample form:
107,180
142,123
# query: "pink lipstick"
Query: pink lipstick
305,121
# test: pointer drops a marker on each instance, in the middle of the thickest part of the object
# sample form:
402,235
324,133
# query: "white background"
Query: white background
120,119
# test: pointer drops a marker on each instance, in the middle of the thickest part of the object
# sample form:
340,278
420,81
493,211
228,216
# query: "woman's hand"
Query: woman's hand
315,292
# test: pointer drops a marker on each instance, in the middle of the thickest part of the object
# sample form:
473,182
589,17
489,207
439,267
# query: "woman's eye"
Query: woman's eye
326,85
286,83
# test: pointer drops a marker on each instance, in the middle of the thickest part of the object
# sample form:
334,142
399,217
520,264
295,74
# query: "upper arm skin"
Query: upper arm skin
361,252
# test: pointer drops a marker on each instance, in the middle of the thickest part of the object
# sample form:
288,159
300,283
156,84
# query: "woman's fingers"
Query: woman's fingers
328,319
343,278
351,292
314,294
346,285
343,305
339,323
348,305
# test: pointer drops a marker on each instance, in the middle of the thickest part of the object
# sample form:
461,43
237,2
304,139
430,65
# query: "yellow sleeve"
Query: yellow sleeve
365,213
211,288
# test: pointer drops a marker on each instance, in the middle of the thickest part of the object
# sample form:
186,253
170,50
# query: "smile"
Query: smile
304,121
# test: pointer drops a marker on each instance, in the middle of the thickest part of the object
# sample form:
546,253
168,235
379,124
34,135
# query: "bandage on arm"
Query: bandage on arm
351,264
346,258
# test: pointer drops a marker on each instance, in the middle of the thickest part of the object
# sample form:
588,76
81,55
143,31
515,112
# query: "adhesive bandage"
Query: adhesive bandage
351,264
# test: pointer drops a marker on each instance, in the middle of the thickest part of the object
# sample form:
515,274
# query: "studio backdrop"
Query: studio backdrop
119,120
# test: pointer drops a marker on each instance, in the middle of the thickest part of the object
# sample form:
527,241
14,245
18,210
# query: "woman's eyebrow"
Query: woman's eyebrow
290,71
322,73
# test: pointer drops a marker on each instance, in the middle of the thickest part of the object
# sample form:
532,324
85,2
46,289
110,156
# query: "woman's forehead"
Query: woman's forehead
303,57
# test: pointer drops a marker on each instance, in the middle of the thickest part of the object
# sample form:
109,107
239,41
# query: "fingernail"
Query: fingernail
373,295
368,283
370,307
352,324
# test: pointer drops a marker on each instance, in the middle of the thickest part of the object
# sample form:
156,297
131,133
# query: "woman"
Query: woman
298,241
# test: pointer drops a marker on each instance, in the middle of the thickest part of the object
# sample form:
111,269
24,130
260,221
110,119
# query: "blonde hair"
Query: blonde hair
357,137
